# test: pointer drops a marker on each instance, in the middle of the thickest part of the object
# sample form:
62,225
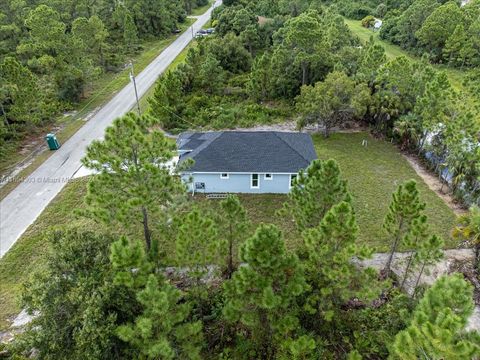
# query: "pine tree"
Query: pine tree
429,253
261,294
234,225
130,33
161,331
452,50
211,75
161,328
332,277
197,243
414,240
167,102
404,208
133,185
437,330
314,192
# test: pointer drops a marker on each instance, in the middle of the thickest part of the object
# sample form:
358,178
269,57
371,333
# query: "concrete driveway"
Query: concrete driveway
25,203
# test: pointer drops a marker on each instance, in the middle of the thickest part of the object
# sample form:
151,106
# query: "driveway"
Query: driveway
20,208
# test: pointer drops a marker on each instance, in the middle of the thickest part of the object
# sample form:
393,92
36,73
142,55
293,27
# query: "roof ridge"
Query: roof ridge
290,146
208,143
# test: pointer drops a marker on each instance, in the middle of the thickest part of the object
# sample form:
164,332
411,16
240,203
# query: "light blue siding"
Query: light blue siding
238,183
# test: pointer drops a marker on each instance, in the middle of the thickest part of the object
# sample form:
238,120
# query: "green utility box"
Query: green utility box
52,142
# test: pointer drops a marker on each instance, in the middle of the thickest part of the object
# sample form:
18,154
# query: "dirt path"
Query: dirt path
435,184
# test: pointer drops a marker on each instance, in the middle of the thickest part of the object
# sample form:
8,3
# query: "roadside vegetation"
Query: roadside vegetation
78,63
125,264
283,301
370,185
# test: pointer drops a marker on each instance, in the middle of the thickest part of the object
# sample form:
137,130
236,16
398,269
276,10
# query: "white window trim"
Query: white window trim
251,181
224,177
268,178
290,180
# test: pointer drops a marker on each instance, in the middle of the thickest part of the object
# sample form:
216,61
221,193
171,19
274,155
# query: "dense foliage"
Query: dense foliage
51,51
261,70
102,298
228,293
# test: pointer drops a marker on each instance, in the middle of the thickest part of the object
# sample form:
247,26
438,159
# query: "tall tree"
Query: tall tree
197,243
304,37
161,331
93,33
405,207
332,277
130,34
314,192
332,102
167,103
211,75
160,328
261,295
438,27
234,225
133,185
21,100
428,253
437,329
414,241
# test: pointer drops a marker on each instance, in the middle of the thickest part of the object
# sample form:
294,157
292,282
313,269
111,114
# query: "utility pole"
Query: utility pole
132,77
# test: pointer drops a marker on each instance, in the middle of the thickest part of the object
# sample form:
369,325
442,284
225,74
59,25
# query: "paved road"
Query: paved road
24,204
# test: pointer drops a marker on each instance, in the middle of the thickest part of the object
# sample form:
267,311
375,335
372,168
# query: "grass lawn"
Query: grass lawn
373,173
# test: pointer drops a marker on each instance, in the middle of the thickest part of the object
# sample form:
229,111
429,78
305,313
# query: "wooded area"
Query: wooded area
51,51
154,275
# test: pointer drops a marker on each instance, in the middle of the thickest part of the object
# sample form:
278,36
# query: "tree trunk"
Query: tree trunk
477,258
146,230
304,72
418,279
230,255
392,251
409,263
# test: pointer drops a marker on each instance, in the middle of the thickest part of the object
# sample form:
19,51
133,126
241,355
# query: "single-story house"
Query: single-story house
244,161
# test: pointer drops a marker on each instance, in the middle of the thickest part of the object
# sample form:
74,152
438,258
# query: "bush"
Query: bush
368,21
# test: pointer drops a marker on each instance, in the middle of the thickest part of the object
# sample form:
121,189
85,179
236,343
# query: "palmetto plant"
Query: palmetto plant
468,229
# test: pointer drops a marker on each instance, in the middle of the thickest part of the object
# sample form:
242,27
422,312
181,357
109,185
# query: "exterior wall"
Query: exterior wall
238,183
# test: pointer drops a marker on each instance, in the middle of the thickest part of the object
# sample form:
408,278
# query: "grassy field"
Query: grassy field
373,173
101,91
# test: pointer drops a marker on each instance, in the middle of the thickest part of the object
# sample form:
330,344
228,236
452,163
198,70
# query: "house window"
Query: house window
268,176
199,186
255,184
224,176
292,180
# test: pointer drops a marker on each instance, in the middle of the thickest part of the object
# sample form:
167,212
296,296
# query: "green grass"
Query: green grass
201,10
100,92
29,252
373,173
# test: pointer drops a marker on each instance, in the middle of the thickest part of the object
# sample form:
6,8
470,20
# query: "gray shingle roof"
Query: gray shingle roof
237,151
